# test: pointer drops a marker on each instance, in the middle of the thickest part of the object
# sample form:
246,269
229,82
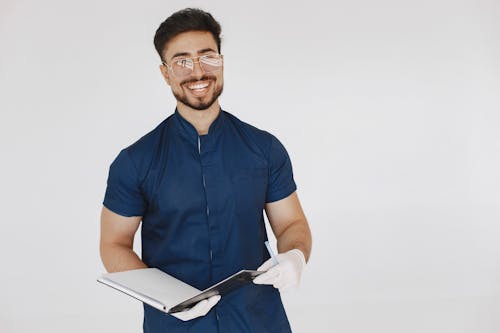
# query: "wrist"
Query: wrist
300,255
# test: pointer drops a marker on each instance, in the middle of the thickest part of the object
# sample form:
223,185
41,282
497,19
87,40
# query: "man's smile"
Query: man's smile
198,93
198,88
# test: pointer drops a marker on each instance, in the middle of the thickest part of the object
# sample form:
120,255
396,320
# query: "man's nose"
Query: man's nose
197,70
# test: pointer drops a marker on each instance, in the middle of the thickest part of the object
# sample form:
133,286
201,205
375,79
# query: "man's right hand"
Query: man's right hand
198,310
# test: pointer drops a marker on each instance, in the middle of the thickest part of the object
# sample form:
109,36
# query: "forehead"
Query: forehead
189,43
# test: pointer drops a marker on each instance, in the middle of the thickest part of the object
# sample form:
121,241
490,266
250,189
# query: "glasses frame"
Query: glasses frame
194,62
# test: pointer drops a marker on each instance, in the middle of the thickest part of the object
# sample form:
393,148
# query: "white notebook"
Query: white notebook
168,294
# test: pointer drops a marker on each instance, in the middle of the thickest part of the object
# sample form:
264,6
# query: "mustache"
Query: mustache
203,78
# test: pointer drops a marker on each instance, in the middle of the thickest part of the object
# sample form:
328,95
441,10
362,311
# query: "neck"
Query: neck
200,119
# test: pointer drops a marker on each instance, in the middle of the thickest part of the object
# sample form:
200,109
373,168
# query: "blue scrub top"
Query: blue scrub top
201,199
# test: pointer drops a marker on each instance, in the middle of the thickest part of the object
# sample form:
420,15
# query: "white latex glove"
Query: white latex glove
199,309
286,274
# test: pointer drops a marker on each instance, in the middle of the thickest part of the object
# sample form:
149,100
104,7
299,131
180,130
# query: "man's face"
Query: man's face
199,90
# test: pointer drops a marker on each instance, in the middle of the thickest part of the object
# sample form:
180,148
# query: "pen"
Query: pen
271,253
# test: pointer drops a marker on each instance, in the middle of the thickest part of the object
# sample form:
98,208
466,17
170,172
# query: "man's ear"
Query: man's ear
165,73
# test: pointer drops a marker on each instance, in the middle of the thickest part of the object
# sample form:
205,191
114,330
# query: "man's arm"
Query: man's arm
294,244
289,225
117,240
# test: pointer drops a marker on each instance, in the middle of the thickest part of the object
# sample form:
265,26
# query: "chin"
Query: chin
198,104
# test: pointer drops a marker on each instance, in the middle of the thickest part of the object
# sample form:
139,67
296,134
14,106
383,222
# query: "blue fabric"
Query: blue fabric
201,199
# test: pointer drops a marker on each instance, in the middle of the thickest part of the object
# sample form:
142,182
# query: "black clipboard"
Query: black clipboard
222,288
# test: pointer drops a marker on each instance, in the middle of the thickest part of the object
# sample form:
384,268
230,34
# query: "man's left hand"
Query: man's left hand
286,274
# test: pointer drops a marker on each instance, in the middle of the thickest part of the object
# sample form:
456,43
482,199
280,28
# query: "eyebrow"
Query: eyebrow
187,54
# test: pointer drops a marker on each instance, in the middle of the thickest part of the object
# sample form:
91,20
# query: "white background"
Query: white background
390,111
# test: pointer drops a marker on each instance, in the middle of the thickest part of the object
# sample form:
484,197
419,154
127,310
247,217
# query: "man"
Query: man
199,182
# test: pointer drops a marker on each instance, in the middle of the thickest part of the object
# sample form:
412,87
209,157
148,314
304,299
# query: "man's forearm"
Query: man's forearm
296,236
117,258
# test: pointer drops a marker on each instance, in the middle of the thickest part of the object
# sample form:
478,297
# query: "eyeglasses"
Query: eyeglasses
183,67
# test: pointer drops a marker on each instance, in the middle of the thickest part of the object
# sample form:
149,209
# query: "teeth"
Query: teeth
198,86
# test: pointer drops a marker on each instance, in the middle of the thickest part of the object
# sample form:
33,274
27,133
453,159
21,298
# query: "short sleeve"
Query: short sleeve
123,193
281,183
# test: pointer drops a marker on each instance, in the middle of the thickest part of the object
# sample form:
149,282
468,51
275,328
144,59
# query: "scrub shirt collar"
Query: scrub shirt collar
188,131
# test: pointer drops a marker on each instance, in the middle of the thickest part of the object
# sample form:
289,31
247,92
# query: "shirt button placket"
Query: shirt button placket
206,196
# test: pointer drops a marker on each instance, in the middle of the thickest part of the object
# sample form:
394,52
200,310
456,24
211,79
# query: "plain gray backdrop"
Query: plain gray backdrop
390,111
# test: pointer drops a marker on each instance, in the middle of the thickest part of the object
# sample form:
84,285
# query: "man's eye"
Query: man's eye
211,59
181,62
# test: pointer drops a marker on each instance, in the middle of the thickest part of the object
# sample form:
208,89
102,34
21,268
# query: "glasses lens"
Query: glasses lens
211,62
183,67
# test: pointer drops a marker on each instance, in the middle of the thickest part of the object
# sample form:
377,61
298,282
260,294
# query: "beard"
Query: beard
199,104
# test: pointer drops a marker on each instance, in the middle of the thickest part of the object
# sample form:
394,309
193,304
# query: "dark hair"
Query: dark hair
189,19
